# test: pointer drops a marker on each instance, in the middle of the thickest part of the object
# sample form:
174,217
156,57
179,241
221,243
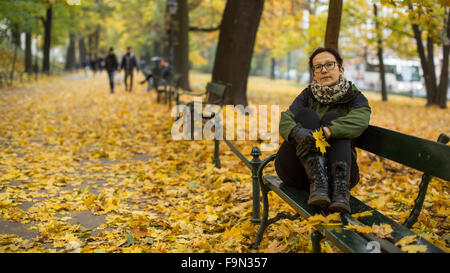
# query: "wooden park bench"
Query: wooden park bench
214,95
166,87
170,89
431,158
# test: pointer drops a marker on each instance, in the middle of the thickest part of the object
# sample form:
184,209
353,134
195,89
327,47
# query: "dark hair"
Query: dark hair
325,49
111,49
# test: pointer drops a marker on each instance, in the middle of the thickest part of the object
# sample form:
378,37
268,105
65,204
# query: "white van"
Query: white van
401,77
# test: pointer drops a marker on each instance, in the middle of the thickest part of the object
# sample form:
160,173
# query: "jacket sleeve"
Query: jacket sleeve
355,122
287,121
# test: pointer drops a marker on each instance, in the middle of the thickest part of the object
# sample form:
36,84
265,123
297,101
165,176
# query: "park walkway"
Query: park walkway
82,167
82,170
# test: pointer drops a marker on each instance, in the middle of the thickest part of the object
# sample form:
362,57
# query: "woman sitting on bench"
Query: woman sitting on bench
334,105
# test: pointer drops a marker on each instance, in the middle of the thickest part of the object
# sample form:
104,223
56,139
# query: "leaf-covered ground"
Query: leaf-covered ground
82,170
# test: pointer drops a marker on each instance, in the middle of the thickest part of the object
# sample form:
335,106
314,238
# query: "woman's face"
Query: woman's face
324,72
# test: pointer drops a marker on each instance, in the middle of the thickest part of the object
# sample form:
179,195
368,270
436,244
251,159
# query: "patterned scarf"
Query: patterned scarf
330,94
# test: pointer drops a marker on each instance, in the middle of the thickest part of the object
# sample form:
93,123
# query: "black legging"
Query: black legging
288,166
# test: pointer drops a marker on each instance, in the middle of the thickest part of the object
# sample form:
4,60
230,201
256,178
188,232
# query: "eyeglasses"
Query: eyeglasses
329,66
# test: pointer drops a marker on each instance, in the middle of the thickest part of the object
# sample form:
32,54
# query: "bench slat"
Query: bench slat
297,199
430,157
346,240
399,231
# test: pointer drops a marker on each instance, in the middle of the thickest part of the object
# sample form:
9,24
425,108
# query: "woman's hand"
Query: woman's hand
304,140
301,135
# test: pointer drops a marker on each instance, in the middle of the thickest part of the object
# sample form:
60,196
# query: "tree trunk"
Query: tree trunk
423,60
234,52
181,60
96,40
36,66
382,73
432,71
427,64
443,82
259,71
380,54
90,46
13,65
13,68
273,64
288,62
70,57
333,24
156,48
16,43
166,46
47,40
28,54
81,51
16,36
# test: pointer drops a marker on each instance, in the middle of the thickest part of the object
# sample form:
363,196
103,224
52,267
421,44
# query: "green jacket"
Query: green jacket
353,108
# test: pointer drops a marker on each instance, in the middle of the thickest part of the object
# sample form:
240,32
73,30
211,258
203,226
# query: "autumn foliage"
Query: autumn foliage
82,170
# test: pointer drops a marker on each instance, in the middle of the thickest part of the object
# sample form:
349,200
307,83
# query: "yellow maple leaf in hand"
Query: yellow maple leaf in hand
321,143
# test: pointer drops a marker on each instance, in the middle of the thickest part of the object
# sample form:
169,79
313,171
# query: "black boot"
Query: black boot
315,166
340,187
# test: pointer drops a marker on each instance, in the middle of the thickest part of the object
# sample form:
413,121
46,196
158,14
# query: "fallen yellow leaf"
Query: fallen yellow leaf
360,229
383,230
406,240
414,248
320,219
362,214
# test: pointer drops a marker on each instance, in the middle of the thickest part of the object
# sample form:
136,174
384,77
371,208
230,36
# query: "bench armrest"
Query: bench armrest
262,166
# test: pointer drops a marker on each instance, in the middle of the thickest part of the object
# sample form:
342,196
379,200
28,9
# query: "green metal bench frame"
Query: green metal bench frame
432,158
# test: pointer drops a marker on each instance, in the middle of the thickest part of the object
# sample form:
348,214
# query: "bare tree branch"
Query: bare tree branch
199,29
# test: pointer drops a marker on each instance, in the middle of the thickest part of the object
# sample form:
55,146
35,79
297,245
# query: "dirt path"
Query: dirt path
41,111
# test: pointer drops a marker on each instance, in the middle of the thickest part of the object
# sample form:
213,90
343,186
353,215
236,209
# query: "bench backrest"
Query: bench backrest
176,80
217,92
432,158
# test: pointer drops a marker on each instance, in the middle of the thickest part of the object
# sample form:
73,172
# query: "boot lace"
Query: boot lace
340,180
318,176
341,186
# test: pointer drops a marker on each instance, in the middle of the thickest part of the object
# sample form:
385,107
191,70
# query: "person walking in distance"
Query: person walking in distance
93,63
86,65
111,65
128,64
